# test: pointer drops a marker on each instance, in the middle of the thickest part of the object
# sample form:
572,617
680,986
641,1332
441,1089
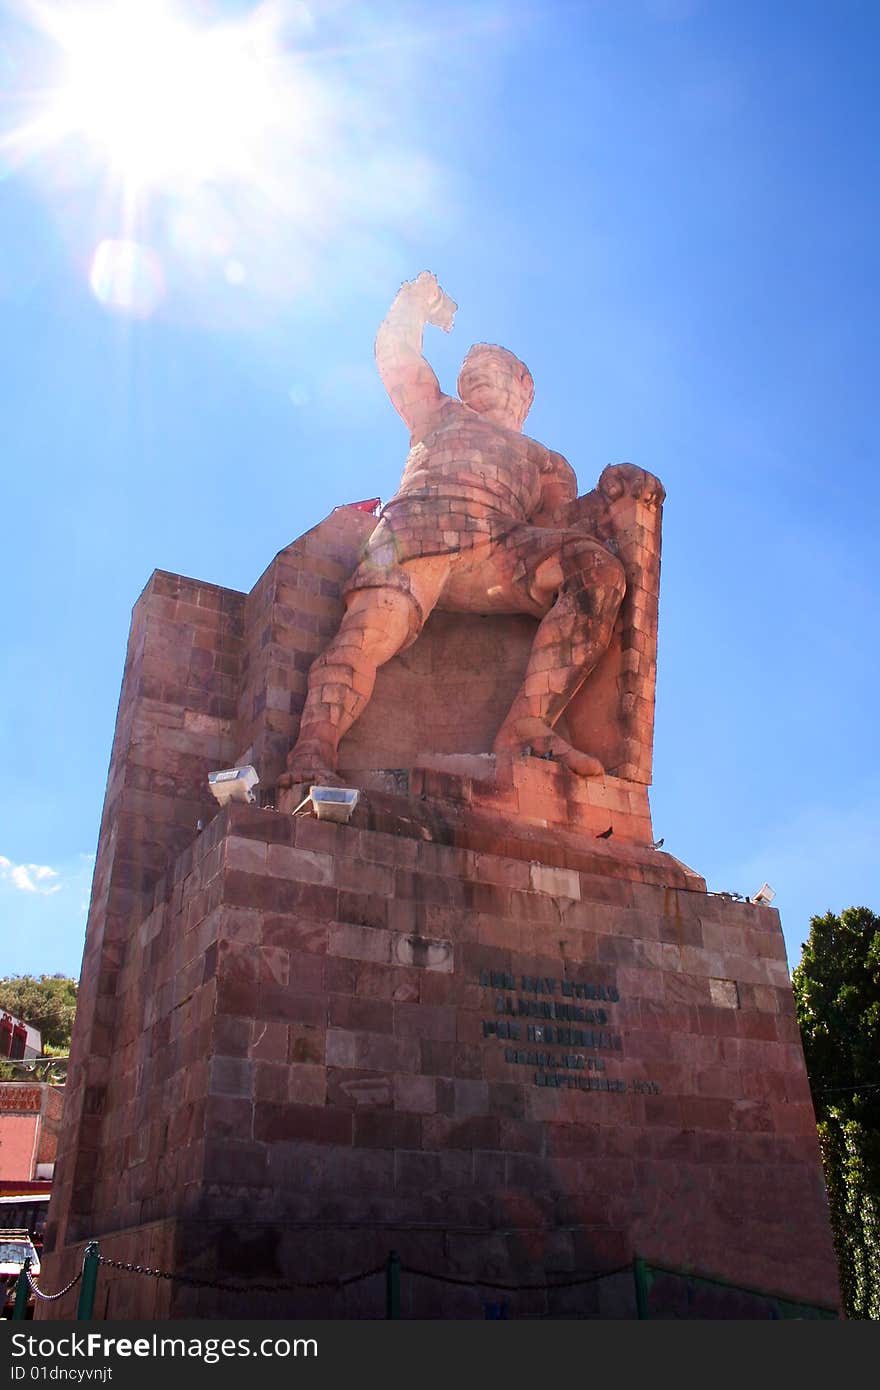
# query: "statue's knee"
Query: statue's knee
401,620
389,619
589,565
614,575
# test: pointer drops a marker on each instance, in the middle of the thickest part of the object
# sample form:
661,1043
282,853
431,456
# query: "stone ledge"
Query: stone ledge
416,826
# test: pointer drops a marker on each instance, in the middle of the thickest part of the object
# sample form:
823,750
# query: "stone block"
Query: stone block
354,1014
415,1094
557,883
231,1076
359,1090
377,1129
359,941
314,1124
425,1021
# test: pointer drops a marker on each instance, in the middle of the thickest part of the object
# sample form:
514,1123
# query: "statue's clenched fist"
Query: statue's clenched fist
434,302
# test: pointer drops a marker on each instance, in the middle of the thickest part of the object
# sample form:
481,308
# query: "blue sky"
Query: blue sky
668,208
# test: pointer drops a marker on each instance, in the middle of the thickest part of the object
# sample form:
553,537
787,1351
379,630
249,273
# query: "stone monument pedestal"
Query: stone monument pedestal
508,1051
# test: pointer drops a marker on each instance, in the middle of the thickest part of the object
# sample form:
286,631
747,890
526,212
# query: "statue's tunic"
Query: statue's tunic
468,490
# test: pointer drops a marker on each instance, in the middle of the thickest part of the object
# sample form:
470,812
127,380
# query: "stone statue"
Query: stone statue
478,525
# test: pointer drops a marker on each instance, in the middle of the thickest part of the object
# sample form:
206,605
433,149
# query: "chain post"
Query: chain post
22,1289
642,1282
392,1285
91,1263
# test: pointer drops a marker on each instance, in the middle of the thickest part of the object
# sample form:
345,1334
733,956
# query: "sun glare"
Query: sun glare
160,100
207,158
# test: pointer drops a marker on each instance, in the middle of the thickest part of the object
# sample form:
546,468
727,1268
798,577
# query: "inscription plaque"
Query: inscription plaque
556,1068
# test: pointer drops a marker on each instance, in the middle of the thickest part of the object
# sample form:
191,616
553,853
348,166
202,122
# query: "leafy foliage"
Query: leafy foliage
851,1157
47,1002
837,996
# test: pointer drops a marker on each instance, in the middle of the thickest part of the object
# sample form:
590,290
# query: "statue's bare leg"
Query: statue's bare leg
378,623
589,584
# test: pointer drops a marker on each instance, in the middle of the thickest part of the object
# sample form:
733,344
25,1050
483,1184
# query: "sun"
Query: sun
160,100
215,156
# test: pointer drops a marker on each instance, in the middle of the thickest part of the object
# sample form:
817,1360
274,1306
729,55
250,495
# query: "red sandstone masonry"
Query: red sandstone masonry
449,693
281,1021
289,616
230,1107
174,723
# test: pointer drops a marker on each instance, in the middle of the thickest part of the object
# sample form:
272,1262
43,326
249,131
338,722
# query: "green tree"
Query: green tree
837,996
47,1002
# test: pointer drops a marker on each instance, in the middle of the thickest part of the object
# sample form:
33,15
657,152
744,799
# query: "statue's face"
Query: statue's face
496,384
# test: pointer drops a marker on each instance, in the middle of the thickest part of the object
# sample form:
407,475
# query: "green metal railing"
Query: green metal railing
26,1285
780,1306
645,1275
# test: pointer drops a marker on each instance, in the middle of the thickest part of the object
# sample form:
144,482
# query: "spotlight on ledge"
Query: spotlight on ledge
233,784
334,803
764,895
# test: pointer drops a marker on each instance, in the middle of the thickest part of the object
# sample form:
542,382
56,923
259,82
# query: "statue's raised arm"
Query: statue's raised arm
409,379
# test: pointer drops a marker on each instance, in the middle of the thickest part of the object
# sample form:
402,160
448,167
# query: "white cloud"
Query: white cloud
47,927
29,878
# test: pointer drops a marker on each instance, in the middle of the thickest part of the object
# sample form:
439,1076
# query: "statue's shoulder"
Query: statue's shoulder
443,412
549,460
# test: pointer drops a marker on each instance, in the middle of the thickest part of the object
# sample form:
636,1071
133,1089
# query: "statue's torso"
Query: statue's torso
465,457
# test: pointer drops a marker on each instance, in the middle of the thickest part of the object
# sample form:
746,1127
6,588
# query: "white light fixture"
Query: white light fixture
764,895
334,803
233,784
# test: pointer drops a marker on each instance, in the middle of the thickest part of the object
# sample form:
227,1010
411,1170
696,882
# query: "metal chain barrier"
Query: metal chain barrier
195,1283
515,1288
392,1268
51,1297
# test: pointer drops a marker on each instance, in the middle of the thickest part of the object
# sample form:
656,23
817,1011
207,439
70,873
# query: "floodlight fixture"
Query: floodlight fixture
334,803
764,895
233,784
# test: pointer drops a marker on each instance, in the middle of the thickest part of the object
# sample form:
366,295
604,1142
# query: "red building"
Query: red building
30,1118
18,1041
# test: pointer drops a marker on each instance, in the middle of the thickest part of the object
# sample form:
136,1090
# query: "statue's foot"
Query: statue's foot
310,763
524,736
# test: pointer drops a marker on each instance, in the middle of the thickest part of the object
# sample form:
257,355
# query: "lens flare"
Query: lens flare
127,278
257,147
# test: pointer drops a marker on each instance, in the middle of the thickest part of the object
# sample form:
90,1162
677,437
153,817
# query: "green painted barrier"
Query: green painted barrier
642,1280
91,1262
22,1289
392,1285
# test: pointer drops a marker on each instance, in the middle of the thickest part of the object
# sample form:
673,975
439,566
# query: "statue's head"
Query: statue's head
496,384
